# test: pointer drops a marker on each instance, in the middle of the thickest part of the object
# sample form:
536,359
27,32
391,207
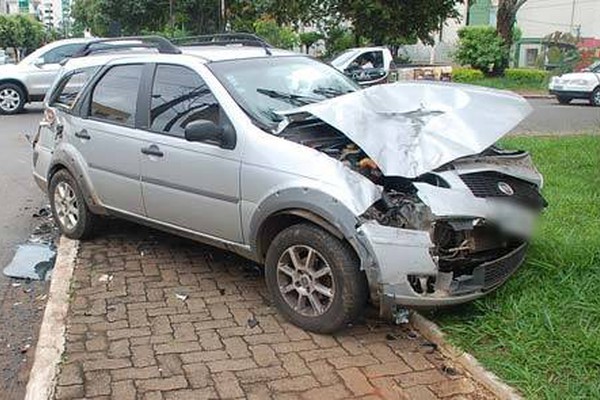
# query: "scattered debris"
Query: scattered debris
449,370
23,349
391,336
105,278
42,212
431,347
412,335
222,292
182,297
14,284
31,261
252,322
401,316
17,304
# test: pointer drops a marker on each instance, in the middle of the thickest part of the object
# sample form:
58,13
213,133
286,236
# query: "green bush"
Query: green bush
466,75
480,47
523,76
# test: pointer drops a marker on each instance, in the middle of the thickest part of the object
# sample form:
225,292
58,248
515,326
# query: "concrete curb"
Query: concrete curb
538,96
433,333
51,340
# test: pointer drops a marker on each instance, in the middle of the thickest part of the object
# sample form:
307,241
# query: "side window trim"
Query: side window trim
64,80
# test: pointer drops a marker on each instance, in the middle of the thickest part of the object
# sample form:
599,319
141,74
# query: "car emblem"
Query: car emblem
506,188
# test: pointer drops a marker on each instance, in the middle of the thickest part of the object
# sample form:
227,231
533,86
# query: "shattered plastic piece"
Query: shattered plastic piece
16,284
42,212
105,278
431,347
412,128
182,297
31,261
23,349
252,322
449,370
412,335
401,316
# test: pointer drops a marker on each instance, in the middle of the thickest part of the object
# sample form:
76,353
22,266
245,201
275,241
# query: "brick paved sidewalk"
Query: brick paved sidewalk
157,317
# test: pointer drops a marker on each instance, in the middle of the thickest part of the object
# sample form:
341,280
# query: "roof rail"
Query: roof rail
223,39
164,46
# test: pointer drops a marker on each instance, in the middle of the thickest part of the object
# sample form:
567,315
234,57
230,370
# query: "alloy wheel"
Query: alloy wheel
9,99
596,98
65,204
305,280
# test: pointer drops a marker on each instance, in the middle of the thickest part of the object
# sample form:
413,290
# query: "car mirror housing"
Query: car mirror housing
39,62
205,131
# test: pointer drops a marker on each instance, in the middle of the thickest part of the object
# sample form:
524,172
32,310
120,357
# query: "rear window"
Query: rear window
68,90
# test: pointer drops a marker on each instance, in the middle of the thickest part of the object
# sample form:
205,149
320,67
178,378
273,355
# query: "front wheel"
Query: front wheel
564,99
315,279
595,98
69,208
12,99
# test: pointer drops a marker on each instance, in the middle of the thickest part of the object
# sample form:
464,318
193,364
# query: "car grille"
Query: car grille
497,271
487,184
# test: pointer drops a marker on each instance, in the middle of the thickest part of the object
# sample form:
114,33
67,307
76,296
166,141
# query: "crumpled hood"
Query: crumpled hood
409,129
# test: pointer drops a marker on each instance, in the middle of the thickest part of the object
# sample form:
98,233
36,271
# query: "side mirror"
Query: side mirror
39,62
204,130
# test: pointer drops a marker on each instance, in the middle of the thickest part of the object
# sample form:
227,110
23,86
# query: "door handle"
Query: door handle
83,134
152,150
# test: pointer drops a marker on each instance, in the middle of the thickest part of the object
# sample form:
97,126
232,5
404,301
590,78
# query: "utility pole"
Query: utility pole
572,16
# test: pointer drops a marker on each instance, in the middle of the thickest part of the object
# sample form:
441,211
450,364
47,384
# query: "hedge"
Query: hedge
523,76
466,75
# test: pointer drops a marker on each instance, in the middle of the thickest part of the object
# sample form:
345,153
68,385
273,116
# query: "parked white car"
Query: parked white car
29,80
578,85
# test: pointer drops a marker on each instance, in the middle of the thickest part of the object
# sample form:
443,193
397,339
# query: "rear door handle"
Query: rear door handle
152,150
83,134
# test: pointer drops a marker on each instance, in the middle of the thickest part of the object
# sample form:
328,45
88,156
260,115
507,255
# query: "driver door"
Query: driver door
42,71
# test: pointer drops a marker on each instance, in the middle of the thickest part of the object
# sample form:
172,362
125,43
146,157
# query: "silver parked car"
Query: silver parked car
393,194
29,80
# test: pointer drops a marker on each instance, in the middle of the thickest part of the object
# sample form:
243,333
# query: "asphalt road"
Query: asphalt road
549,117
21,302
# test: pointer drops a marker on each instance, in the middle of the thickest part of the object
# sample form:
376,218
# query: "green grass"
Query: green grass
540,332
508,84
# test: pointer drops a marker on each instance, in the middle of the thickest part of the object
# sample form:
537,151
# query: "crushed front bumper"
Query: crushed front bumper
400,256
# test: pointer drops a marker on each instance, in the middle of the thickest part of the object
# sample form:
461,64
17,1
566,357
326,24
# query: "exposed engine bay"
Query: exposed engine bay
461,245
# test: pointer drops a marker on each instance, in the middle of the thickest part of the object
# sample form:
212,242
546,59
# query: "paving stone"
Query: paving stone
162,384
97,383
69,392
227,385
356,381
328,392
124,390
296,384
451,387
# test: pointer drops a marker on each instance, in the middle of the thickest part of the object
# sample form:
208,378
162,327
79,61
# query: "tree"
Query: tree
480,47
506,17
307,39
21,33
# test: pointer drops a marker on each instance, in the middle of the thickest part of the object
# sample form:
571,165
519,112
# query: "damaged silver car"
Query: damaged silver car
395,194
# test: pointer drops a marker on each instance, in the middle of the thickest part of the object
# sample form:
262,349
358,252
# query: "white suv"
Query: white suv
29,80
578,85
393,193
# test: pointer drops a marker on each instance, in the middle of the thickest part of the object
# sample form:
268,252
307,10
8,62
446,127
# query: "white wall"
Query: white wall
538,18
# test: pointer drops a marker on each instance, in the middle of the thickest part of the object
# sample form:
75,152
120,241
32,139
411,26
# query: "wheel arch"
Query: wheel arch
18,83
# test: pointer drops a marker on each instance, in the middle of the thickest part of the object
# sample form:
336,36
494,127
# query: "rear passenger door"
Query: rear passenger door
108,140
194,186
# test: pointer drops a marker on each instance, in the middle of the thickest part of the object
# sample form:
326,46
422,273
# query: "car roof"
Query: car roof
203,54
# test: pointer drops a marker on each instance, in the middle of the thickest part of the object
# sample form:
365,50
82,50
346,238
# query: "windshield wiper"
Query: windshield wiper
293,99
331,92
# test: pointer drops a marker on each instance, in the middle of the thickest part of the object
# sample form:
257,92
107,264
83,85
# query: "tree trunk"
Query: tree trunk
506,17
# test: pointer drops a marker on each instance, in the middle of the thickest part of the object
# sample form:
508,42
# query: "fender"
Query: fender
66,156
322,209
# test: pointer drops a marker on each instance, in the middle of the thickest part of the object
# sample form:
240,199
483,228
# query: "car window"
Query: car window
61,53
114,98
180,96
67,91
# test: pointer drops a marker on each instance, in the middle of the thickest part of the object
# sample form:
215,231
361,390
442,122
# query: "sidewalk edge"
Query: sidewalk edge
432,332
51,340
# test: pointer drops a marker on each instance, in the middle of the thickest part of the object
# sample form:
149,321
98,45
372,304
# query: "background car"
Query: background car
3,57
29,80
578,85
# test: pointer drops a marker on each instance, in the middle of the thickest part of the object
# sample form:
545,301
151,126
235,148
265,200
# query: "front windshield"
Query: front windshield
264,87
342,58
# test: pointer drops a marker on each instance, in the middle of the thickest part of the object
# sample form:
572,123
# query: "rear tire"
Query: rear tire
564,99
322,295
595,97
12,99
69,208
